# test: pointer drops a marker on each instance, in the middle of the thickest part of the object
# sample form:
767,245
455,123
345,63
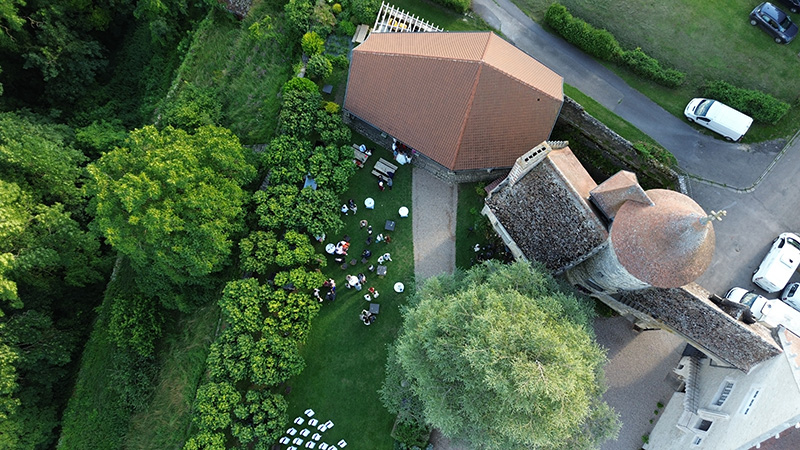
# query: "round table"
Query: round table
398,287
353,281
330,248
403,211
369,203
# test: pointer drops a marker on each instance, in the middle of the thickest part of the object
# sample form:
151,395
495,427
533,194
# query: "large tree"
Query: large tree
500,357
170,201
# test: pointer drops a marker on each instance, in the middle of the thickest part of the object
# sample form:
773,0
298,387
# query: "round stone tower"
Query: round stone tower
666,244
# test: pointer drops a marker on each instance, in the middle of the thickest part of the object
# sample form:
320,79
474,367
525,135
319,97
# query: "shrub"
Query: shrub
364,11
312,43
346,28
411,433
456,5
762,107
656,152
603,45
319,67
193,107
337,8
340,61
598,43
298,16
322,19
642,64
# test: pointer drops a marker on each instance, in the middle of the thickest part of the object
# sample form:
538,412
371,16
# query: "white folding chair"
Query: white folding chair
304,432
284,440
291,431
310,444
297,441
316,436
313,422
310,412
299,421
323,446
322,428
342,444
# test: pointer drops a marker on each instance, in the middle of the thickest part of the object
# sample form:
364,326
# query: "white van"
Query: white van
772,313
718,117
780,263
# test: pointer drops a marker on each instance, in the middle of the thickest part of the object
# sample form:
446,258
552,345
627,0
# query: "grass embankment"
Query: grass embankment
346,359
706,40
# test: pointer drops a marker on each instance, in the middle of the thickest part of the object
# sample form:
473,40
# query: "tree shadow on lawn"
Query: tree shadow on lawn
345,359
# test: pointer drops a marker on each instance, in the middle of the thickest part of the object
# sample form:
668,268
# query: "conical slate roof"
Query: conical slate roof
465,100
665,245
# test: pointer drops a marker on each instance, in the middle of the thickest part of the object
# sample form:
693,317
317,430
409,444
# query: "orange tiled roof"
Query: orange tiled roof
466,100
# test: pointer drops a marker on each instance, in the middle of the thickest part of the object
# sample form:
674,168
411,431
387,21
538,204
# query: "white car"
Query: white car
718,117
780,263
791,295
771,313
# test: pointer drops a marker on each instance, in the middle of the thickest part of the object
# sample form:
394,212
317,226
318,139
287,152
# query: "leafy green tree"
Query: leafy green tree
332,167
333,131
312,43
299,278
243,303
289,207
286,159
500,357
297,15
206,440
100,137
258,251
301,102
322,20
214,404
319,67
364,11
259,421
193,107
290,314
170,201
268,360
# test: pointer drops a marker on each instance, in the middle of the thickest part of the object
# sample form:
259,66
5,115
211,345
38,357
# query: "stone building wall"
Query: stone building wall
592,136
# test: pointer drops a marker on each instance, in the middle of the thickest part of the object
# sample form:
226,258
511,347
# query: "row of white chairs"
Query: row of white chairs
322,445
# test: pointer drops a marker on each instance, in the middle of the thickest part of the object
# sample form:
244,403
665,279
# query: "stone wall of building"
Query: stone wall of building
419,160
597,145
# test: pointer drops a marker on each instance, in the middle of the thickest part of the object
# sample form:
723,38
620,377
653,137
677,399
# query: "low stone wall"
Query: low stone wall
598,146
239,8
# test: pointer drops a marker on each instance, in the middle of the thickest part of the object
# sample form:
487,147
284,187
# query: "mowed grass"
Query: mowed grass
345,358
711,40
164,423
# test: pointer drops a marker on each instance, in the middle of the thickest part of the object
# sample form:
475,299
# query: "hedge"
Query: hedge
460,6
603,45
760,106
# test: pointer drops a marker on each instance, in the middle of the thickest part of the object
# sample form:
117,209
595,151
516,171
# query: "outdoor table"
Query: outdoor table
403,211
330,248
381,271
374,308
389,225
398,287
369,203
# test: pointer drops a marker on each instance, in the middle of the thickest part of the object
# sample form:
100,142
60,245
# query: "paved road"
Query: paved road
753,183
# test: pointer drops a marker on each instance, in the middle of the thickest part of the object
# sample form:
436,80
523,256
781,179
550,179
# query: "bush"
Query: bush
598,43
319,67
656,152
337,8
340,61
603,45
364,11
346,28
312,44
762,107
642,64
459,6
192,108
411,433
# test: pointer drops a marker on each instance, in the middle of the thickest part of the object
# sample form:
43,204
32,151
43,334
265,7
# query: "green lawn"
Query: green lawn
345,359
707,40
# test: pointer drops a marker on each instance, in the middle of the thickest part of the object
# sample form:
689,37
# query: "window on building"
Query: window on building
594,285
724,391
697,440
704,425
750,400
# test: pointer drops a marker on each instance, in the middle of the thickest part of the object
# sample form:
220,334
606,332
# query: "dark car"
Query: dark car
793,5
774,21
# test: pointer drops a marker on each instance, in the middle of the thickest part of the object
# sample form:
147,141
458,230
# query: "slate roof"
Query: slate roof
546,212
466,100
619,188
687,311
665,244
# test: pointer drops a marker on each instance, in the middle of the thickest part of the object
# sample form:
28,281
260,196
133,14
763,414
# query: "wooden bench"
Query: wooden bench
359,157
382,169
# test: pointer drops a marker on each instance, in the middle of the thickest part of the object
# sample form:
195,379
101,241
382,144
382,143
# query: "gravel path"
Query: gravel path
433,214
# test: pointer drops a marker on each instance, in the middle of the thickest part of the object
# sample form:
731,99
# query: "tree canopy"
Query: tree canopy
170,200
500,357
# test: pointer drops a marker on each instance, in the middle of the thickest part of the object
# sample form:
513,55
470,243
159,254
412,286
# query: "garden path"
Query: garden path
433,213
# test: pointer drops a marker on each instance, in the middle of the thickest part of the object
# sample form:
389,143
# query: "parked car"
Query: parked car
780,263
719,117
771,313
793,5
791,295
774,21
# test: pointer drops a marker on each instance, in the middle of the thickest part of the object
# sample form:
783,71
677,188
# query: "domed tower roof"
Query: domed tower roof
668,244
